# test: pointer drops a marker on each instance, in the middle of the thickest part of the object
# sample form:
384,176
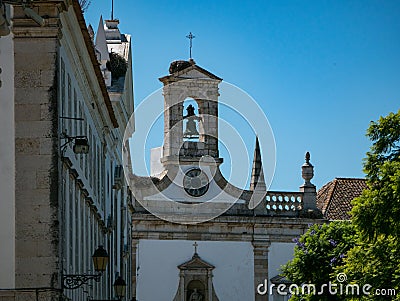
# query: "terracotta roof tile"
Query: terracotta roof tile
334,198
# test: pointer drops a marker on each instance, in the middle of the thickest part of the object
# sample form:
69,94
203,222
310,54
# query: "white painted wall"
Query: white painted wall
7,164
175,192
156,166
279,254
158,275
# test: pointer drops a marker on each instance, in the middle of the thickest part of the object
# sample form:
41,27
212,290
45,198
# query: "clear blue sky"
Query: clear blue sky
320,70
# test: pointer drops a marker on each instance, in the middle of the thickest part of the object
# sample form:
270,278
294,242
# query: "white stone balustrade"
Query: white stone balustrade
284,201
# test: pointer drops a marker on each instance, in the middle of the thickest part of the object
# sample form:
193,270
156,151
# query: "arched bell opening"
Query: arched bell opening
192,127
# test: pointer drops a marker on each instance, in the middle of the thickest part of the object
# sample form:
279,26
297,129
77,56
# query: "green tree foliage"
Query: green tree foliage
367,249
317,253
376,264
376,213
117,65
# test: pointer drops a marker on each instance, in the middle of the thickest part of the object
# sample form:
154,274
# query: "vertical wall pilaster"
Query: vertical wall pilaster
182,286
173,116
260,249
210,285
36,149
7,163
134,266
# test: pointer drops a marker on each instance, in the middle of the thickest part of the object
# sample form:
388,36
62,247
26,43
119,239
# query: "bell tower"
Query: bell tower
190,135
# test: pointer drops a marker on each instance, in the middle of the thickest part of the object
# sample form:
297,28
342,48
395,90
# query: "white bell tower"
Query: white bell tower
187,80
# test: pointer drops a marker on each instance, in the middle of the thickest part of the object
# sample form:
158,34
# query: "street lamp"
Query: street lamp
119,287
100,261
81,144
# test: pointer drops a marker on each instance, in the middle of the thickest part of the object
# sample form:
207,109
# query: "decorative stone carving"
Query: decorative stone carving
196,296
196,282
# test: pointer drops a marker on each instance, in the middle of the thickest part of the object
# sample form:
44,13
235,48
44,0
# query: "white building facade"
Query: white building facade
62,203
237,238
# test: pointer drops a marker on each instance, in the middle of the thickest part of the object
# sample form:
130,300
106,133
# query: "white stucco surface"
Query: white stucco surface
279,254
156,166
158,275
176,192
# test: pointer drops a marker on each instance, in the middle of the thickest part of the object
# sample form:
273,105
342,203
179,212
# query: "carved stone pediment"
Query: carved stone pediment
195,283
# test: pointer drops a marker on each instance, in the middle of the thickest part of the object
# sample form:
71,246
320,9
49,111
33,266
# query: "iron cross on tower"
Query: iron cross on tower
112,9
195,245
190,36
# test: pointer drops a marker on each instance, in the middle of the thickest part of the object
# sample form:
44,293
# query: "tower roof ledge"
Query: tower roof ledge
180,68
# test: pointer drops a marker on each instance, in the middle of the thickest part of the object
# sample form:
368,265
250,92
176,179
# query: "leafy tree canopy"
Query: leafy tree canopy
377,210
367,250
117,65
376,213
317,253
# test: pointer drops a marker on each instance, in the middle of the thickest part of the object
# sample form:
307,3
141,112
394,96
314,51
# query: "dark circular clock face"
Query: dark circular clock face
195,182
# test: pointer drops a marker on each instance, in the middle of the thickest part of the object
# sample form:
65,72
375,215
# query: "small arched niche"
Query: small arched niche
196,290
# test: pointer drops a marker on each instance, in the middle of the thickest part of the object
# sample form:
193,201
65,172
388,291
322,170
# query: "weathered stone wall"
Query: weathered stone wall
36,147
30,295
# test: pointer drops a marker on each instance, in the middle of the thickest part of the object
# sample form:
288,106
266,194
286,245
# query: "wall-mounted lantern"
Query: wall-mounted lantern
119,287
100,260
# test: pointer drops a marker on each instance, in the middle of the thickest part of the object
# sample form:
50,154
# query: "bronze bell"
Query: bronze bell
191,127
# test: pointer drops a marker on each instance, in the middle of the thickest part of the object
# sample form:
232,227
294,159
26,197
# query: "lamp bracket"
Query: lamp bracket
75,281
69,139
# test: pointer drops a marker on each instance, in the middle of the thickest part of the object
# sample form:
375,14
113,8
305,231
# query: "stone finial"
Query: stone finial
309,190
308,157
307,170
